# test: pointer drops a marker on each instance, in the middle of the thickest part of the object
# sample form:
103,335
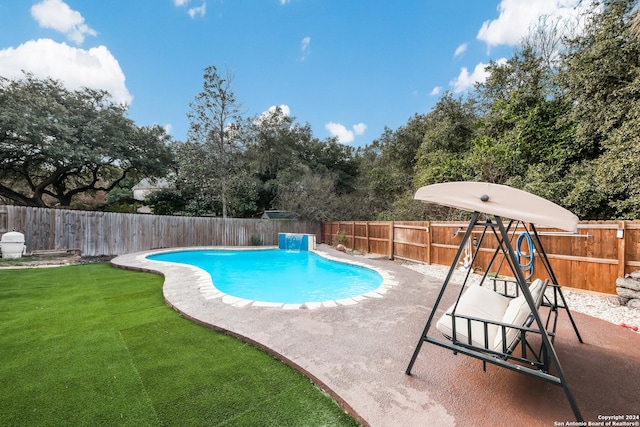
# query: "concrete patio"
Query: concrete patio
358,353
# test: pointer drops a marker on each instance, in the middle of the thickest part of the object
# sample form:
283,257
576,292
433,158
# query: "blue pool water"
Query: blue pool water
278,276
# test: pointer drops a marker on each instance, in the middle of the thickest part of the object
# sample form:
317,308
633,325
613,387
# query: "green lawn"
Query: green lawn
94,345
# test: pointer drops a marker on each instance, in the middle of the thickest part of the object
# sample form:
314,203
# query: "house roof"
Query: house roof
501,200
149,183
276,214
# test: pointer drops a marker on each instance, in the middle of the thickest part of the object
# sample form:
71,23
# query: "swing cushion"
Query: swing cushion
486,304
517,313
480,302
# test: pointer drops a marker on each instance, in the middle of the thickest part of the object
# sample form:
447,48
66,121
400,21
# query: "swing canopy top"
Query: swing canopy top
500,200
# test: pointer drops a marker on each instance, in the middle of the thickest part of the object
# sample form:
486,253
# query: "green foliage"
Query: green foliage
93,345
387,168
491,160
449,131
167,201
602,80
450,126
57,144
295,170
310,195
406,208
123,191
120,198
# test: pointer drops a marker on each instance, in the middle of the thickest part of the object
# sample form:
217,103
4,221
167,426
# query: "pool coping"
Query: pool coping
210,291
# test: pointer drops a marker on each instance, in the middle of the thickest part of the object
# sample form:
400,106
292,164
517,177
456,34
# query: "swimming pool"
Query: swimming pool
278,276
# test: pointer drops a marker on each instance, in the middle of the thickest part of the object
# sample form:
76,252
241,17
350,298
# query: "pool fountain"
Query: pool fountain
296,242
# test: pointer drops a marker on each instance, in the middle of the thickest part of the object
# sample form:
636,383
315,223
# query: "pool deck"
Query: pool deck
359,352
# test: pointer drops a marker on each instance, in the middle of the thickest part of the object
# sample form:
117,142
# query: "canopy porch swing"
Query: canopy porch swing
500,321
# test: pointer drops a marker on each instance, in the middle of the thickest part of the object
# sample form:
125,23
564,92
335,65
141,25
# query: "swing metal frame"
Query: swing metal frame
541,363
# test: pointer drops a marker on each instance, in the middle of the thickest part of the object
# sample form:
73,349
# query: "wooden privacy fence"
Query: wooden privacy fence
107,233
591,260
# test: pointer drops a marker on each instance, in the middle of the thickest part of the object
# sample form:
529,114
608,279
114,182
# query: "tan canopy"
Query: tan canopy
501,200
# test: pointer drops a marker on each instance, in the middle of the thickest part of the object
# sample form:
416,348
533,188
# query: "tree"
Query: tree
274,143
601,78
286,157
120,198
210,160
310,195
56,144
449,131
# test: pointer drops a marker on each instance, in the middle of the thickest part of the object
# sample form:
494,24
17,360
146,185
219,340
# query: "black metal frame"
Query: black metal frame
539,363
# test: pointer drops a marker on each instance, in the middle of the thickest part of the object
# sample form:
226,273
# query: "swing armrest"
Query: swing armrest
503,330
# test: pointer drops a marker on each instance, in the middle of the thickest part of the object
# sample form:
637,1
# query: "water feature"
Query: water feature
293,242
296,241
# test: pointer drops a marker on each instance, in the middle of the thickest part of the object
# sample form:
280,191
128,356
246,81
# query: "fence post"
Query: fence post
391,238
428,242
367,236
622,248
353,235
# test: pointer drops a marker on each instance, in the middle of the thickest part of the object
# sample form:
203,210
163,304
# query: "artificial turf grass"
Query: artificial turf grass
93,345
63,361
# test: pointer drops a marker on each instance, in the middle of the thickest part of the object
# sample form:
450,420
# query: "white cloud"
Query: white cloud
285,1
57,15
460,50
284,110
435,91
517,16
344,135
466,80
168,128
359,128
198,11
95,68
305,47
193,12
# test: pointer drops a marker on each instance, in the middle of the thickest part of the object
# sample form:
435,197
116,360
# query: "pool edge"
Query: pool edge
209,291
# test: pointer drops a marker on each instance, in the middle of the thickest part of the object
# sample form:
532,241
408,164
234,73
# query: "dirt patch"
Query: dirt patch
51,261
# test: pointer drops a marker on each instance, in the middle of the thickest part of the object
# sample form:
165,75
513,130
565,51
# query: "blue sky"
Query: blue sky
348,68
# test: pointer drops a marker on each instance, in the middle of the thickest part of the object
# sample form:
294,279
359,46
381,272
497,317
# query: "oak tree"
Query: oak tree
57,143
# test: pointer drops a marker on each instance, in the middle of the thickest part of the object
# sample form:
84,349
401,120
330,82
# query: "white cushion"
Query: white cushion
479,302
535,288
517,314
